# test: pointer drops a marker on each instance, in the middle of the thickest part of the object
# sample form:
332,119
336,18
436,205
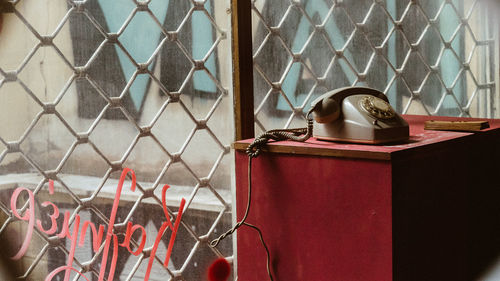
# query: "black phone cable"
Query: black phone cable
253,151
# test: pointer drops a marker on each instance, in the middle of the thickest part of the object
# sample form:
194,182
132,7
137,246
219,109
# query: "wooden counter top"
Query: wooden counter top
420,140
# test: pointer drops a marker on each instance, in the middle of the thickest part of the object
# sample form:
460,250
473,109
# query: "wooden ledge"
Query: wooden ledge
288,147
420,141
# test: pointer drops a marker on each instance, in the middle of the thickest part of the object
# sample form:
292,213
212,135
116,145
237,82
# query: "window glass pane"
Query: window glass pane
428,57
92,88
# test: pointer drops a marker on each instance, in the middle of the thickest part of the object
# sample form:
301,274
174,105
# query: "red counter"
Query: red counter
427,209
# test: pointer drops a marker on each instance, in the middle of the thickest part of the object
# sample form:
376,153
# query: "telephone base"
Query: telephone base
362,131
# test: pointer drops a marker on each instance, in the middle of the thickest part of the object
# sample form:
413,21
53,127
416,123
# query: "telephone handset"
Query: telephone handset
357,114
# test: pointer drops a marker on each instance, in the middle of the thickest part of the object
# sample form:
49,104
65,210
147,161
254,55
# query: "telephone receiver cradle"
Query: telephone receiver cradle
359,115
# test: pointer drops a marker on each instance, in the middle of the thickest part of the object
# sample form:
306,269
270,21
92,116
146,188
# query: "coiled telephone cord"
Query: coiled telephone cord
253,150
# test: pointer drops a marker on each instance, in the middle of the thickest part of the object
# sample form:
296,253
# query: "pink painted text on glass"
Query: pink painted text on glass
77,235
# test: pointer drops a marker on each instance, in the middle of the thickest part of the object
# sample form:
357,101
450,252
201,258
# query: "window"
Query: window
94,86
428,57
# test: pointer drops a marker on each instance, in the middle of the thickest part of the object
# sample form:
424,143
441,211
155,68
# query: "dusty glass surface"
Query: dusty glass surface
89,88
428,57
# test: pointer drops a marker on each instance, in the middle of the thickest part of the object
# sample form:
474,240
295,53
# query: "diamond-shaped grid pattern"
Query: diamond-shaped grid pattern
424,55
95,86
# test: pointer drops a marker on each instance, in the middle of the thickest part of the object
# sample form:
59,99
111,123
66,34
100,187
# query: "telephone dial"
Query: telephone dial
357,114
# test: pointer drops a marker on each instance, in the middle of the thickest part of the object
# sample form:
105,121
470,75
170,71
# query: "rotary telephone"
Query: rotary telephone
359,115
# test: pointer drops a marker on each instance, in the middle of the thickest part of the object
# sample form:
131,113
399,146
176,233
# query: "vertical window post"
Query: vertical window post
242,68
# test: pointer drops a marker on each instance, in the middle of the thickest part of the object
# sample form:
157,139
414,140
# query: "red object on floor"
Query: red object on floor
422,210
219,270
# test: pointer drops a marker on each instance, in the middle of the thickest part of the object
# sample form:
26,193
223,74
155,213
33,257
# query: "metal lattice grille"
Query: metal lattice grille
428,57
92,87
